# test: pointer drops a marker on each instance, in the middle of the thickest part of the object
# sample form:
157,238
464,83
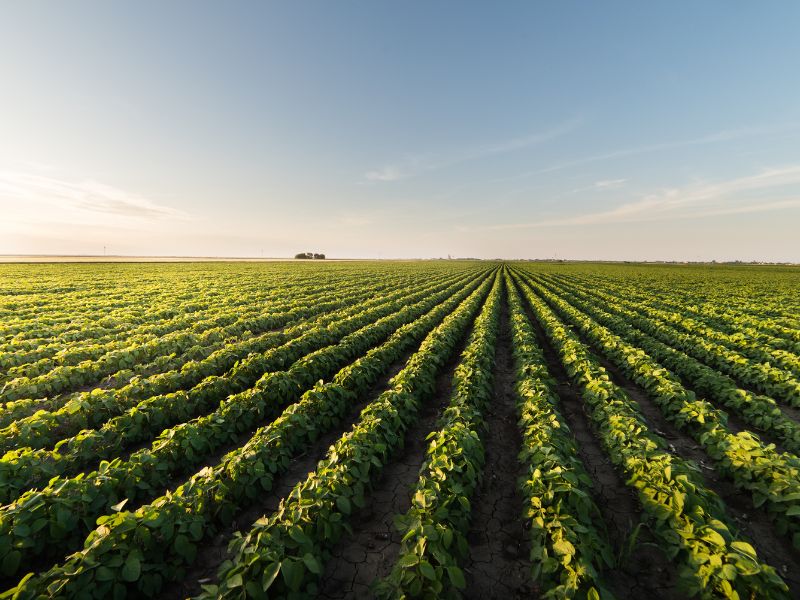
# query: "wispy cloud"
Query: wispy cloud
416,165
388,173
711,138
691,201
609,183
26,192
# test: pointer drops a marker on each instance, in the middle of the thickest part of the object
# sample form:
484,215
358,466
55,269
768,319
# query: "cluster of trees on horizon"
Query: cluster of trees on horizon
311,255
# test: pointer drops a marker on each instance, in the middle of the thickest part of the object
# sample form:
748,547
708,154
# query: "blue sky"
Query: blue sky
618,130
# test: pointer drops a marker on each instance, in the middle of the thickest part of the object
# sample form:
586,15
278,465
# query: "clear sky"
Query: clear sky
608,130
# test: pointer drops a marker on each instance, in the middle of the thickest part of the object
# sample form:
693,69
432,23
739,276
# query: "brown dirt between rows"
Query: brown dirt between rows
645,571
753,524
215,551
366,556
498,563
735,423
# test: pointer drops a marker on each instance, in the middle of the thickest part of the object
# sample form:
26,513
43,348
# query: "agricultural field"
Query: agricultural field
399,429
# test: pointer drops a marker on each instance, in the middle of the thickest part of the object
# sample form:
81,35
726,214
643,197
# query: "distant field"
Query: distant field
399,429
34,258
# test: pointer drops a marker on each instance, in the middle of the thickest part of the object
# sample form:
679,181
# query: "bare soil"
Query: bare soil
498,563
215,551
750,523
358,561
736,423
643,570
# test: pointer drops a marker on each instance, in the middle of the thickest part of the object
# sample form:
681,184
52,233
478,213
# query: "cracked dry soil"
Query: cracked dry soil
645,571
363,558
498,564
752,524
214,551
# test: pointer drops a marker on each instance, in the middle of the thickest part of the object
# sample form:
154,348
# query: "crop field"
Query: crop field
399,429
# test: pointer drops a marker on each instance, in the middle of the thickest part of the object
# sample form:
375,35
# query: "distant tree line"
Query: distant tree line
311,255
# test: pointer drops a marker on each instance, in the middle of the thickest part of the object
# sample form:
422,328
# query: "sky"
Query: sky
571,130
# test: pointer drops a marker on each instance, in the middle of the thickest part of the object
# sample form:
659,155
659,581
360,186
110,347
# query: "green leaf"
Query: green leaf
427,570
456,576
104,574
269,575
563,547
234,581
253,590
728,572
745,548
343,503
714,538
447,537
312,564
293,571
185,548
132,569
408,560
299,536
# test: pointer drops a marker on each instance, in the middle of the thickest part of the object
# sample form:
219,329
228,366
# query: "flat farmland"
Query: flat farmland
399,430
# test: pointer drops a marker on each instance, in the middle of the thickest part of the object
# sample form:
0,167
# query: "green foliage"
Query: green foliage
688,519
185,361
569,548
313,516
434,528
168,530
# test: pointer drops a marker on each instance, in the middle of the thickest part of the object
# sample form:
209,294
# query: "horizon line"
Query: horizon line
144,258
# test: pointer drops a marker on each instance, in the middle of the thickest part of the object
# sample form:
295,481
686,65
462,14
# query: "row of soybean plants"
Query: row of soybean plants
768,294
55,519
284,313
156,308
737,335
688,519
137,377
117,297
753,333
732,307
182,317
434,528
569,546
91,409
164,308
758,411
772,478
567,549
215,326
139,552
283,554
141,420
48,353
46,324
700,342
